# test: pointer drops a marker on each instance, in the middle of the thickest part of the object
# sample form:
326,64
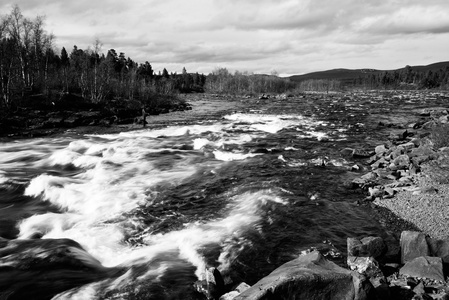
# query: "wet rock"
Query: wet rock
212,286
309,277
42,268
439,248
413,245
424,267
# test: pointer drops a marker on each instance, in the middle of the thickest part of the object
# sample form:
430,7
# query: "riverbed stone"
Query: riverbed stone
413,245
424,267
309,277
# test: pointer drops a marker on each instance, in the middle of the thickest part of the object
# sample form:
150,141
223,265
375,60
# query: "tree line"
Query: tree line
29,65
407,78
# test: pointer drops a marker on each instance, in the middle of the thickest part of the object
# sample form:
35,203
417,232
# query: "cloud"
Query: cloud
253,35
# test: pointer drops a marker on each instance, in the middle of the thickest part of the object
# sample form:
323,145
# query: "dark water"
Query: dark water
154,208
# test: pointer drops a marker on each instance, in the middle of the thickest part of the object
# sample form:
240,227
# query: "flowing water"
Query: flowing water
243,193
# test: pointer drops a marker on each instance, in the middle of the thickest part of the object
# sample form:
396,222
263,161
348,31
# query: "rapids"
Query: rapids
243,193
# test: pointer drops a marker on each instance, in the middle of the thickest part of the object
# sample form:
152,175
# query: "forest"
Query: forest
31,69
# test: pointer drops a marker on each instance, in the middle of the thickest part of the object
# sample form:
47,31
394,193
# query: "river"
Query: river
244,192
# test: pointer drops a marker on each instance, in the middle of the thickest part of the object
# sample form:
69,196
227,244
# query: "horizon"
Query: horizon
267,36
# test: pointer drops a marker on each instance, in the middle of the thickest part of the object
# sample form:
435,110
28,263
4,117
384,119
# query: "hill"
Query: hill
349,75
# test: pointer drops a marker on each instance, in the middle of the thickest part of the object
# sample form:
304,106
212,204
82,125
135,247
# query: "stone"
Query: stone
309,277
413,245
38,261
382,162
402,161
229,296
443,119
393,253
364,265
242,287
439,248
380,149
408,146
359,153
424,267
398,151
374,192
347,151
371,176
212,285
374,245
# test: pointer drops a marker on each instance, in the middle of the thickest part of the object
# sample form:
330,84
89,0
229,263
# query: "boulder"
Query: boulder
439,248
42,268
424,267
366,247
212,285
309,277
413,245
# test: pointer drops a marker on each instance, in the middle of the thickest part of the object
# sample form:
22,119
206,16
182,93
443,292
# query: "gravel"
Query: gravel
424,208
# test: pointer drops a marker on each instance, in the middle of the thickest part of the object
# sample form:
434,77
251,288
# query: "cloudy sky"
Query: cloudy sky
289,36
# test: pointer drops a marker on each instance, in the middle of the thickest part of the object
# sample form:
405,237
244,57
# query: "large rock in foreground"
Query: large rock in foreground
309,277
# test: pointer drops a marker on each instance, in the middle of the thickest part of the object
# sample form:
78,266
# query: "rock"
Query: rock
393,253
42,268
408,146
364,265
402,161
359,153
439,248
371,176
212,285
397,151
374,192
309,277
413,245
429,125
368,246
443,119
382,162
380,149
229,296
347,151
424,267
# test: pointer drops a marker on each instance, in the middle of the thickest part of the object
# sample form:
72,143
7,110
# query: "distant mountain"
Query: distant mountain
348,75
